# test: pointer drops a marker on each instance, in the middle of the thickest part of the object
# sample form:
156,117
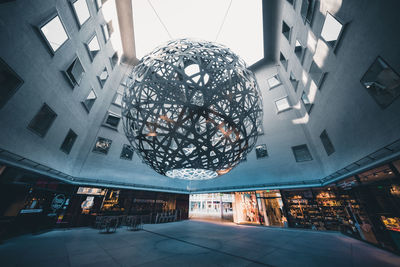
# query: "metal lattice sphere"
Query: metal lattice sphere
191,109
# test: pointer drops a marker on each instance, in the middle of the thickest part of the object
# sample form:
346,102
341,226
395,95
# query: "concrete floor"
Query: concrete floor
192,243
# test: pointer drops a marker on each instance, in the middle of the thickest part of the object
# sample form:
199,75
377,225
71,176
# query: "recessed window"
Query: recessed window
306,102
106,34
382,82
75,72
316,74
283,61
81,11
110,27
54,33
114,60
10,82
68,142
331,30
261,151
93,47
307,10
292,2
103,77
326,141
112,120
282,104
89,101
299,50
260,128
102,145
301,153
294,81
286,30
99,4
274,82
117,99
127,152
42,121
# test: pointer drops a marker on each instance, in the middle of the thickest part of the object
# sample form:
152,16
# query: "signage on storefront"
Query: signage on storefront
91,191
58,202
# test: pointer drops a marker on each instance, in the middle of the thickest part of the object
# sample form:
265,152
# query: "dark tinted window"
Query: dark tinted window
69,141
327,143
9,83
43,120
301,153
127,152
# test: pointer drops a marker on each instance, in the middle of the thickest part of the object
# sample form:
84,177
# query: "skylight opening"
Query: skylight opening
241,31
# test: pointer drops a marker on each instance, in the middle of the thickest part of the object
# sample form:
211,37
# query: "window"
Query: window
261,151
301,153
283,61
75,72
114,60
316,74
382,82
54,33
282,104
294,81
93,47
103,77
81,11
68,142
127,152
306,102
99,3
292,2
327,143
102,145
10,82
106,34
112,120
307,10
260,128
274,82
43,120
89,101
286,30
110,27
117,99
331,30
299,50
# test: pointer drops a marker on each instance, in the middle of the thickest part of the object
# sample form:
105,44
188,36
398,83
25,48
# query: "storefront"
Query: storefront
211,206
259,207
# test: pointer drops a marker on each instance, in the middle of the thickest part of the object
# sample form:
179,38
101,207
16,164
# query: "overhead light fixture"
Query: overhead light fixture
192,109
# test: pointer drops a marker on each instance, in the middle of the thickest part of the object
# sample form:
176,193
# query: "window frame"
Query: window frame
71,82
99,152
115,97
338,39
44,22
292,79
104,28
30,125
283,110
80,26
122,150
289,38
10,93
88,109
300,146
105,124
311,105
88,49
284,63
258,154
276,76
328,144
73,142
306,19
303,51
322,77
105,81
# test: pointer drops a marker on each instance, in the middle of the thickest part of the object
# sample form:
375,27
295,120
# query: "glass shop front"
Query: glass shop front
259,207
32,203
211,206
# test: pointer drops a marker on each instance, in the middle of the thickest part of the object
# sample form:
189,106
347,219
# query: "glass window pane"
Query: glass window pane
127,152
273,81
75,72
282,104
105,32
55,33
301,153
261,151
43,120
103,77
331,30
10,82
82,11
90,99
93,47
69,141
102,145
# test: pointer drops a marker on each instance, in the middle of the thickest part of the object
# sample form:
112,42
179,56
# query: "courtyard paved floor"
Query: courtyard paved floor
192,243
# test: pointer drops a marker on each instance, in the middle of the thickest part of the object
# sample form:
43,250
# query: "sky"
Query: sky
241,31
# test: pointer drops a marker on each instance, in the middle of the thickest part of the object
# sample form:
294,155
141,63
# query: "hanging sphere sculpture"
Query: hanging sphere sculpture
192,109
